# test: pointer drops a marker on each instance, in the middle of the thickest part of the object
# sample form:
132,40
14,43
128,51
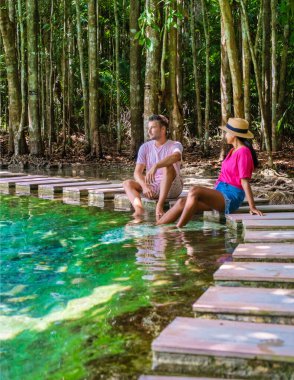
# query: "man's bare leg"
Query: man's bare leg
198,196
133,190
169,174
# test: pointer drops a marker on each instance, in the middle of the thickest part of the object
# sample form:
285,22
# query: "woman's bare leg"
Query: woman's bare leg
198,196
173,213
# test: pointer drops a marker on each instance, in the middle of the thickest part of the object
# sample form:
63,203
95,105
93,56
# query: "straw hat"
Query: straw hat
238,127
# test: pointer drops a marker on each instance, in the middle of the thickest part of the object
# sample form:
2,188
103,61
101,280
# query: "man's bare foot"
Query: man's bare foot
139,211
136,220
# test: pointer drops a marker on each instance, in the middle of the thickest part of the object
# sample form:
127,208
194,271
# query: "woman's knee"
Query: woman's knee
181,202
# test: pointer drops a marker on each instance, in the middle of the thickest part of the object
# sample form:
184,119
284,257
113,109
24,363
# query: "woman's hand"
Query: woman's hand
255,211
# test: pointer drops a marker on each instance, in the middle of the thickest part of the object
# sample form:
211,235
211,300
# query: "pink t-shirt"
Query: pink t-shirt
149,155
236,166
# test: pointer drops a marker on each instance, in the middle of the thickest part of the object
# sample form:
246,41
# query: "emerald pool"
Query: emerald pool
83,293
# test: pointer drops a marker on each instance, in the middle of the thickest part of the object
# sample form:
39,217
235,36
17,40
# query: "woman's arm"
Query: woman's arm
249,195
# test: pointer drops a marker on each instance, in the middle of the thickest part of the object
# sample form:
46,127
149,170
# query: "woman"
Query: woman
232,184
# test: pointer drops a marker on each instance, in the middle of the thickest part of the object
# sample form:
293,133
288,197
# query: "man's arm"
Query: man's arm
140,178
167,161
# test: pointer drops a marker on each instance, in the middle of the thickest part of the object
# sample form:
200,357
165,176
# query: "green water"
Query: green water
83,294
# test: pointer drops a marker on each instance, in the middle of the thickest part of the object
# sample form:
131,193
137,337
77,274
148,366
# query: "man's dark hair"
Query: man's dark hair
161,119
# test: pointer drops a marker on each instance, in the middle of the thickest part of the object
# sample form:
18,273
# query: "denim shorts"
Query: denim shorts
233,196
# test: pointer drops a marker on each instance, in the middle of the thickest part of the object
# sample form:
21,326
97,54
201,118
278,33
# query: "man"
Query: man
162,159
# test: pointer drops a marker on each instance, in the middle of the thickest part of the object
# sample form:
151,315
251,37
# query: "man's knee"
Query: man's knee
170,171
128,183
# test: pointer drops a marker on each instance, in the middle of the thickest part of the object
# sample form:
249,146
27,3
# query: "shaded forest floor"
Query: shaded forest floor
277,183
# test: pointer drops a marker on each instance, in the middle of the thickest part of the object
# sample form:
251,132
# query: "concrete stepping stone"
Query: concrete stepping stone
155,377
268,224
7,185
216,216
5,174
259,236
52,190
247,304
236,220
79,194
97,197
220,347
256,274
25,188
264,252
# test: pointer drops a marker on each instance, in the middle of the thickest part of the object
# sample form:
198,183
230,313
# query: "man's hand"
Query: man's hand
254,210
150,175
148,192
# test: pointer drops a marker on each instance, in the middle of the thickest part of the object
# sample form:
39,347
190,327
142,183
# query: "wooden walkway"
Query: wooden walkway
243,326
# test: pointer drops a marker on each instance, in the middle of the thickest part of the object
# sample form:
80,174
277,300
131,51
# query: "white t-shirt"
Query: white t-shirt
149,155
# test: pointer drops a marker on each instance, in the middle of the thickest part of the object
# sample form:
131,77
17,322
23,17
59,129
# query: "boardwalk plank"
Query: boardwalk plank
247,304
268,224
51,190
235,220
7,185
219,347
253,236
256,274
25,188
76,195
264,252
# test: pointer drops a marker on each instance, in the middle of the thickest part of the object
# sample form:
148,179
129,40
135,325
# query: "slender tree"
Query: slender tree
258,83
136,99
246,70
152,67
96,148
8,36
176,118
33,87
84,83
232,51
274,73
207,71
117,77
195,69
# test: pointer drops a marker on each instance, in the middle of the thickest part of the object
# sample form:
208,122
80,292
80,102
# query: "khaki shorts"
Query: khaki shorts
174,191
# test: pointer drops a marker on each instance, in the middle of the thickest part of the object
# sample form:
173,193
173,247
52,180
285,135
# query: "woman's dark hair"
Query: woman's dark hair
253,153
161,119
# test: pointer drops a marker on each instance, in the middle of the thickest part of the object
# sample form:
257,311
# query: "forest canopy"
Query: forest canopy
96,70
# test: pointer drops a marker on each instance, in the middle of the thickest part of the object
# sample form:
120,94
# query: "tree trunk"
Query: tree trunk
96,148
151,91
33,88
176,118
8,36
246,70
83,76
50,104
195,70
136,98
162,93
117,77
266,65
226,15
23,79
274,74
207,72
65,114
225,89
283,69
258,83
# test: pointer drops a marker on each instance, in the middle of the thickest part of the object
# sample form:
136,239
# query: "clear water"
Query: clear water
83,294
